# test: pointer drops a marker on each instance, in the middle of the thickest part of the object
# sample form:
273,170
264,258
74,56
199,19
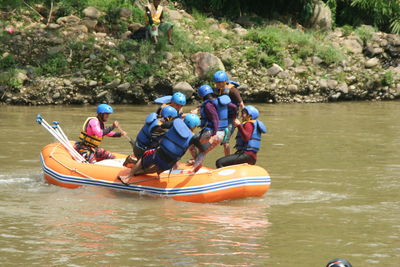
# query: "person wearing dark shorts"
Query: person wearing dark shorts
224,86
172,147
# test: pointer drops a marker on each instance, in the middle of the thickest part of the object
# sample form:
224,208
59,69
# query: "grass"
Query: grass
365,33
273,41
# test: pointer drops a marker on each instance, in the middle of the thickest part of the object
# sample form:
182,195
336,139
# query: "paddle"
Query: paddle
127,137
163,100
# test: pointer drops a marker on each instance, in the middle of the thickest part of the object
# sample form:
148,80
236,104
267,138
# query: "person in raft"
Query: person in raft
178,100
338,263
248,139
214,120
93,131
152,131
155,22
172,147
224,86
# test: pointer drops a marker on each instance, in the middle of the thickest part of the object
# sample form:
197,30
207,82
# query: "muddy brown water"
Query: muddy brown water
335,171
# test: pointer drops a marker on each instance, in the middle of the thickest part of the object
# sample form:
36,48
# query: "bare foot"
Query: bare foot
124,179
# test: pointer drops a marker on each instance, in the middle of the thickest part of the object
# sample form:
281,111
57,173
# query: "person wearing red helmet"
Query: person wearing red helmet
93,131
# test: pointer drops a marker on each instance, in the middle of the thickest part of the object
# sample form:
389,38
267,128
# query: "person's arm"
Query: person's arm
167,124
162,16
232,110
236,97
212,115
148,14
246,130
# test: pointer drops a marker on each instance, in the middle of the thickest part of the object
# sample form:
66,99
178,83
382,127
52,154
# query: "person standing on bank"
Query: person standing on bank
248,139
93,131
154,19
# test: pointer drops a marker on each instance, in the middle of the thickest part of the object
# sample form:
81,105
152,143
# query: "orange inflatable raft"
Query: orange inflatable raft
207,185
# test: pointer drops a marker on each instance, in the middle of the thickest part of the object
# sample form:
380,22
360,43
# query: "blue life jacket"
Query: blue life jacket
255,141
143,139
221,104
176,141
206,122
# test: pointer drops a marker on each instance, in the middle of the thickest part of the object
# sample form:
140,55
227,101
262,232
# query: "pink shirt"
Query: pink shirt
94,127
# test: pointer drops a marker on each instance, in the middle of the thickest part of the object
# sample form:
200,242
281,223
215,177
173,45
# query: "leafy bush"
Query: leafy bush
7,62
365,33
347,30
387,78
274,40
55,64
329,54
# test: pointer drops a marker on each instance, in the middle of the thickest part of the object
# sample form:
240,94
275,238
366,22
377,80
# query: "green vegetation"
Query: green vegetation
7,62
388,78
365,33
54,65
384,14
275,41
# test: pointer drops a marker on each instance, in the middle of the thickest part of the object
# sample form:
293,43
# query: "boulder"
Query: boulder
185,88
113,84
53,26
90,24
342,87
125,12
68,20
353,46
370,63
55,49
274,70
240,31
173,15
321,18
91,12
205,63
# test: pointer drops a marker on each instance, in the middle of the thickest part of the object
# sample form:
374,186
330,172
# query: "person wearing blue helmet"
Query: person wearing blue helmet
92,133
178,100
214,116
153,130
248,139
172,147
224,86
338,263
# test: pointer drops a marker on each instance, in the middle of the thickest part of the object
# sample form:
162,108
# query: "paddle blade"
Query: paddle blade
163,100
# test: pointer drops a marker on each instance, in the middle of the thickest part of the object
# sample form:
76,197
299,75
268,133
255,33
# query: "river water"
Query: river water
335,172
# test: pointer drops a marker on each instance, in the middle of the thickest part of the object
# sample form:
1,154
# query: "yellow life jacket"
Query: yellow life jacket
155,13
252,121
92,141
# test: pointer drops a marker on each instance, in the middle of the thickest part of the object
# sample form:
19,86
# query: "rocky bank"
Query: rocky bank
99,63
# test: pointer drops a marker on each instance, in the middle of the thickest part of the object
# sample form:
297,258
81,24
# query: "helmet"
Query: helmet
205,90
104,108
192,120
252,111
338,263
179,98
220,76
169,111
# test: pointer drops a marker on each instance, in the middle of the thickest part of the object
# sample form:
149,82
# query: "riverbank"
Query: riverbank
88,60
